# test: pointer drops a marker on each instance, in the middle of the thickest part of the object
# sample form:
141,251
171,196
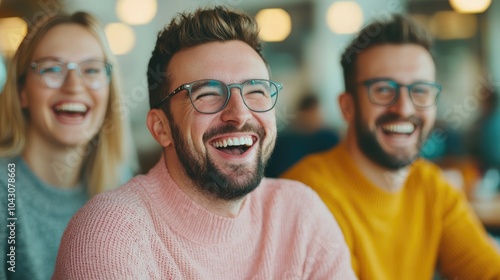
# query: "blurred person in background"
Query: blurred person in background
305,134
485,133
62,138
400,217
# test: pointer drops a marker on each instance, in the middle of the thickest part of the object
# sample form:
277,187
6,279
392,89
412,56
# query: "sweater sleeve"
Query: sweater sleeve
328,254
102,241
466,251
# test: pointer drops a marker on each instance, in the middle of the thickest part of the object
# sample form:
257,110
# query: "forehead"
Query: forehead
405,63
230,62
70,42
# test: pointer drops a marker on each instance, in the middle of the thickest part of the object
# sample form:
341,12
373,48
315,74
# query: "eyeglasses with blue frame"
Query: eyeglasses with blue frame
385,92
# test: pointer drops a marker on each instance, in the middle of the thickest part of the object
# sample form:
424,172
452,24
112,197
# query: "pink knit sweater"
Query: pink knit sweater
150,229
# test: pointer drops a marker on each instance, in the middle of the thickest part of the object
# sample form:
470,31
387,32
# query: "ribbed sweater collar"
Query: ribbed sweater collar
358,184
189,219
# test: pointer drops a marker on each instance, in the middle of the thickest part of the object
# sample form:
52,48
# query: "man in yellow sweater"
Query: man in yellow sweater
400,218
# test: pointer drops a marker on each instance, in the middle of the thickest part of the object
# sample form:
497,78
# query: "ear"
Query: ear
23,98
346,103
159,127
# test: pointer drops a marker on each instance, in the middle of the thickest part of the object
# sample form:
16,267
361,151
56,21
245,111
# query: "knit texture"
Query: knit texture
42,213
150,229
401,235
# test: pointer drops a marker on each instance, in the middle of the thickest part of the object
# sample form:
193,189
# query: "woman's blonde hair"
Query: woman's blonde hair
106,151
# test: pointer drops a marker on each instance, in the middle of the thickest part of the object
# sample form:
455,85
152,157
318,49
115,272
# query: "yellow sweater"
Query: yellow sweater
402,235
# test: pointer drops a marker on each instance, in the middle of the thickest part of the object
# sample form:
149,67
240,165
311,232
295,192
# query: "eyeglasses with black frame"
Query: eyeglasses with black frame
211,96
385,92
94,73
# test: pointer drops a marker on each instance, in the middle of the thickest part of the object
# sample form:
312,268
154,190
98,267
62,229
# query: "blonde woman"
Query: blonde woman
62,138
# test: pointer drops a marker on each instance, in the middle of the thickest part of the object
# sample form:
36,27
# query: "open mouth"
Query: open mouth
70,109
234,145
406,128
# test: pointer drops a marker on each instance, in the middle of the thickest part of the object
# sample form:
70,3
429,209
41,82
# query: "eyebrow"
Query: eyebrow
58,59
391,79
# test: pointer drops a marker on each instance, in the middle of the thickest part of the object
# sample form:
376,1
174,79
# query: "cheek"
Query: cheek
101,99
429,118
268,122
36,102
193,130
369,115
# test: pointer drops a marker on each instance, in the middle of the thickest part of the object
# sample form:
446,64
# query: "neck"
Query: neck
216,206
55,165
385,179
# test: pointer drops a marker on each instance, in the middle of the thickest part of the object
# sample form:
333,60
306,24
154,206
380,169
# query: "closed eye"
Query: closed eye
261,92
92,71
384,90
206,95
420,90
49,70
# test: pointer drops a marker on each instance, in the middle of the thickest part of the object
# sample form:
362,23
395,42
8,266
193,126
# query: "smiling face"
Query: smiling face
392,136
72,114
223,154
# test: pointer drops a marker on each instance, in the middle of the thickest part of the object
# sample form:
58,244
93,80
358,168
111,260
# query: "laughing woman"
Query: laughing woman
62,138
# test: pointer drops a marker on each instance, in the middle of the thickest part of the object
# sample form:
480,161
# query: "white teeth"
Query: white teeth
234,141
399,128
72,107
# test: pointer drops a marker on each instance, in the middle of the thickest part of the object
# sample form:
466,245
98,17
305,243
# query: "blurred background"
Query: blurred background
303,43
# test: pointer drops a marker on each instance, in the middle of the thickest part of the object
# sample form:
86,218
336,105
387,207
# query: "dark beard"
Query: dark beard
211,180
371,148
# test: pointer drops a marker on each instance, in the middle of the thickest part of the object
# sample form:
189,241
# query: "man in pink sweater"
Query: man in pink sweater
205,211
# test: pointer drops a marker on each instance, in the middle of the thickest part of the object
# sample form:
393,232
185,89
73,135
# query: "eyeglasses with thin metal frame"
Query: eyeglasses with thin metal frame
94,73
212,96
385,92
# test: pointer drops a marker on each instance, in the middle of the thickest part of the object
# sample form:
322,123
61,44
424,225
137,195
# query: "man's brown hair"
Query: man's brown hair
187,30
399,29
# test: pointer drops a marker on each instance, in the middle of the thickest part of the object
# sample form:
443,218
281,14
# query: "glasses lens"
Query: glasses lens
94,73
208,96
423,95
382,92
53,73
260,95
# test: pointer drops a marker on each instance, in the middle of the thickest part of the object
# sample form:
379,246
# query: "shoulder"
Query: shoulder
284,199
298,214
285,189
424,167
110,227
9,175
316,169
430,179
8,165
312,163
291,198
127,199
428,174
108,212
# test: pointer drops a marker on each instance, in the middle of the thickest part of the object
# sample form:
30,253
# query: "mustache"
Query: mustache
392,117
228,128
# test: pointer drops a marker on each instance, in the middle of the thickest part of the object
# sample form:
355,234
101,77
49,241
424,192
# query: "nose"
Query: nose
73,83
236,111
403,105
